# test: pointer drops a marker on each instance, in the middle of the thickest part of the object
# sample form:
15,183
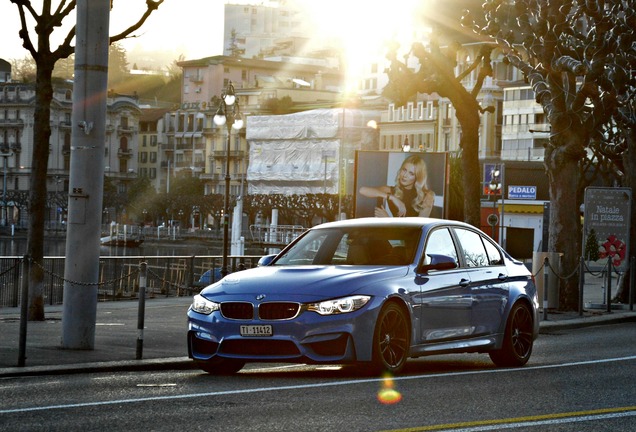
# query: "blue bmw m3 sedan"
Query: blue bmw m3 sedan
372,292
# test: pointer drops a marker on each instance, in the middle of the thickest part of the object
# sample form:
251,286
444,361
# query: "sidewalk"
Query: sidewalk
164,344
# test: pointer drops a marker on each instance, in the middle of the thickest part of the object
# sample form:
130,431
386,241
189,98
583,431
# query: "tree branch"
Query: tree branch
24,32
152,6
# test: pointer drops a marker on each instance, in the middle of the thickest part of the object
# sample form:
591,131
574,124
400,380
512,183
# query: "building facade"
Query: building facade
151,138
17,108
195,146
5,71
250,31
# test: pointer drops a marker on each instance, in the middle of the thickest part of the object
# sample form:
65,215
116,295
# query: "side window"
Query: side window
494,255
473,248
440,242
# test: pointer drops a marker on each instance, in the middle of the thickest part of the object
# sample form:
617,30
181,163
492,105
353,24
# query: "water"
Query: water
17,246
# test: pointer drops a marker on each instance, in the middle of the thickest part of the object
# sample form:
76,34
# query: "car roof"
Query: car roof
406,222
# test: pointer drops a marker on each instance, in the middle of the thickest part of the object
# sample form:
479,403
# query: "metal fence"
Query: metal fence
119,276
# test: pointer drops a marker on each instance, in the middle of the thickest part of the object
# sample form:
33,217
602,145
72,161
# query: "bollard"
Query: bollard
609,284
581,284
190,275
24,310
632,269
141,311
546,267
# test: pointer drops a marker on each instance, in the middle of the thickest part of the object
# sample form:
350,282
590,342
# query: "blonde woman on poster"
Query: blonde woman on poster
409,197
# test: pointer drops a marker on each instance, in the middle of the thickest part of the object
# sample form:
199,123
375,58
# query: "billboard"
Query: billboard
400,184
606,227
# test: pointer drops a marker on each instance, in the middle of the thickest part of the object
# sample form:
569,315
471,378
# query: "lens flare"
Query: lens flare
387,394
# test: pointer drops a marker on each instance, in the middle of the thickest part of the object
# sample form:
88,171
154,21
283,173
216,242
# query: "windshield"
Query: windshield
353,246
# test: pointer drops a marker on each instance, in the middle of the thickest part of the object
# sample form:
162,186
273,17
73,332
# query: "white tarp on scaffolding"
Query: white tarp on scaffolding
300,153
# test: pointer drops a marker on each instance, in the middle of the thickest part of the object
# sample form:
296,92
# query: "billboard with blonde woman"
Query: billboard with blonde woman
399,184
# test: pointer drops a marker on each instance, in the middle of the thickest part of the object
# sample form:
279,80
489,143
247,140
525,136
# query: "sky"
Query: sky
194,28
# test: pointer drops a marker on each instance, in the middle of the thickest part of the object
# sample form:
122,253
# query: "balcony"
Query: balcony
221,154
11,123
124,153
214,177
126,130
65,124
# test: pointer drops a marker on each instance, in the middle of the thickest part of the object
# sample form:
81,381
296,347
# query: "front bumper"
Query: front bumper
308,338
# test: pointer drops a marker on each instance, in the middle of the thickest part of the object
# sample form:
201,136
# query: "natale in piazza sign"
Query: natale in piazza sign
606,227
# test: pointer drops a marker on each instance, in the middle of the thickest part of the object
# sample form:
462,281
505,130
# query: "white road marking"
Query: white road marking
307,386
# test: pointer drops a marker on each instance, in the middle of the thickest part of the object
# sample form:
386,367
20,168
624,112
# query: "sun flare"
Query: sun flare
363,29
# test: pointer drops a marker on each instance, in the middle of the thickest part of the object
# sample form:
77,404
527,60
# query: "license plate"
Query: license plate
256,330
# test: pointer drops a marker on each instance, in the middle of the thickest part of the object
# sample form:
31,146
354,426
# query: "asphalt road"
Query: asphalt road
577,380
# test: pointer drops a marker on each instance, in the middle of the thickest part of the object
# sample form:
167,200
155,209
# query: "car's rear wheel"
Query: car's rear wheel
518,340
220,366
391,340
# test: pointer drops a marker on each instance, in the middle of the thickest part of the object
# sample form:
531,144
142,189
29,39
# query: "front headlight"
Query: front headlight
204,306
339,306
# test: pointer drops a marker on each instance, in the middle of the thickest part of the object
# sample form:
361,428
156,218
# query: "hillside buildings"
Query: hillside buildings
274,71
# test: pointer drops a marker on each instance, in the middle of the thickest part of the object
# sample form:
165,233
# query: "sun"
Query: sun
362,29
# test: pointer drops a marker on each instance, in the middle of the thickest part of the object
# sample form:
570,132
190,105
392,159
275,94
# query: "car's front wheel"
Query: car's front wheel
391,340
518,340
220,366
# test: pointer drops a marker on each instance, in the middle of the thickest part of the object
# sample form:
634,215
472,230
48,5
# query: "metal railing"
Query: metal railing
118,276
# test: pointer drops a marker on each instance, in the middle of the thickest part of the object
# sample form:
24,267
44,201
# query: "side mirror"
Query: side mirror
438,262
266,260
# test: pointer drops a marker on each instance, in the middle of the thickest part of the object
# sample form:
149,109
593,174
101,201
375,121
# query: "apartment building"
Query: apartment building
17,108
5,71
252,30
429,123
525,126
151,136
194,145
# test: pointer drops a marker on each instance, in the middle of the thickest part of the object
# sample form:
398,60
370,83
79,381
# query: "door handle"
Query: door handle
502,277
464,282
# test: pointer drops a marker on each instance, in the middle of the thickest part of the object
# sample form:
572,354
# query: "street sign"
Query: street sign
522,192
493,219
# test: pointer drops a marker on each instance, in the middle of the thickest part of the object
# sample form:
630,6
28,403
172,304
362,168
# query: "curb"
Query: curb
548,326
186,363
174,363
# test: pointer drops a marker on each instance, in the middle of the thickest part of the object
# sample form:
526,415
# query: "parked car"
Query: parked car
372,292
209,276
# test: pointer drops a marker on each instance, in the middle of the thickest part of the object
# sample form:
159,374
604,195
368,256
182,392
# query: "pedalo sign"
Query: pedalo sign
606,227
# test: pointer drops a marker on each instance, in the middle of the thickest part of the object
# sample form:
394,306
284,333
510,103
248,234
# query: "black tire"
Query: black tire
220,366
518,340
391,340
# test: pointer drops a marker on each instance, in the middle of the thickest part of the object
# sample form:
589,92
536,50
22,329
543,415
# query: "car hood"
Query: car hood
301,283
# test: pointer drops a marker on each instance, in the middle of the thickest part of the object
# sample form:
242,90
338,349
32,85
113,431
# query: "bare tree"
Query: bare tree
48,20
437,74
578,56
23,69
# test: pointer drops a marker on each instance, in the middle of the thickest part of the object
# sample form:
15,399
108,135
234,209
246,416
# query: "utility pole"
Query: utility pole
86,182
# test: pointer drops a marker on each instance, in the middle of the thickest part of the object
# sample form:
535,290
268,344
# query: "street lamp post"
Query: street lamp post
494,186
229,115
4,217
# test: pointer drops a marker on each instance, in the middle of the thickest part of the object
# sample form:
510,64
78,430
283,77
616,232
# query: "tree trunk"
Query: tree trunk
37,195
469,118
565,222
